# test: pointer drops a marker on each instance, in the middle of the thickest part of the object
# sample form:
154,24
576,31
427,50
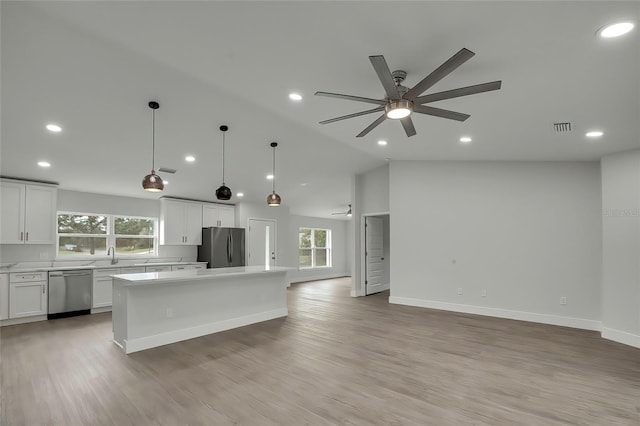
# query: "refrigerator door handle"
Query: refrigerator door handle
231,251
228,246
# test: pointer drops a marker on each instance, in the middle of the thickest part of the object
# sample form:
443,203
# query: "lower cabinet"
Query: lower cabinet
187,267
162,268
4,296
27,294
103,287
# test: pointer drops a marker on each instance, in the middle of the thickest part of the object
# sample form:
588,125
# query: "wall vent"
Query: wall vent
562,127
167,170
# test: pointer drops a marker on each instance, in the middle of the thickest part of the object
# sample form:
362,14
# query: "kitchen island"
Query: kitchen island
158,308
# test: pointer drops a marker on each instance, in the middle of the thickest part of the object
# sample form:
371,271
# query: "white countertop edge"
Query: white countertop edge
92,267
196,275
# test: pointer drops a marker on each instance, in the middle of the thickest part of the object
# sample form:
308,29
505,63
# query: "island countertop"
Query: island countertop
146,278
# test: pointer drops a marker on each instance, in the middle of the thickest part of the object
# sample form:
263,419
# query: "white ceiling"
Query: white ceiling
92,67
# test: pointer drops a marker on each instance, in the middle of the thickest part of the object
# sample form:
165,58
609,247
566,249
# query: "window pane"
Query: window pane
305,258
305,237
321,257
82,246
128,246
320,236
81,224
132,226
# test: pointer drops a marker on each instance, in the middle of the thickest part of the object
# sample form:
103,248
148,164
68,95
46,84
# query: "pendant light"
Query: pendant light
223,192
273,199
153,182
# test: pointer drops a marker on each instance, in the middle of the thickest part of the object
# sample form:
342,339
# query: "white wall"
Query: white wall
287,239
621,247
527,232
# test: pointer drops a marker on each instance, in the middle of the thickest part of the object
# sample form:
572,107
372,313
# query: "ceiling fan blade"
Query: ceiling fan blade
452,115
407,123
372,126
384,74
455,93
355,114
352,98
442,71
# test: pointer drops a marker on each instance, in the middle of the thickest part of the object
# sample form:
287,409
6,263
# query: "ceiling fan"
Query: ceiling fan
347,213
400,101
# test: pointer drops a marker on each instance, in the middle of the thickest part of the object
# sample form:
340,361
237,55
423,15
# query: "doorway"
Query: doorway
262,242
376,254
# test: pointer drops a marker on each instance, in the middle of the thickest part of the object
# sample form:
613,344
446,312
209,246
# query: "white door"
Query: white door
374,245
262,242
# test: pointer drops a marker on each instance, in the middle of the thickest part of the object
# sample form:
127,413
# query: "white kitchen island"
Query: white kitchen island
157,308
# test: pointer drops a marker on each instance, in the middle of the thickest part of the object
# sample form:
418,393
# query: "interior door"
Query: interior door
374,249
262,242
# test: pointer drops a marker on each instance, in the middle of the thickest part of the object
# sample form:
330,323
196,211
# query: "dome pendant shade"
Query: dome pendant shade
223,192
274,200
152,182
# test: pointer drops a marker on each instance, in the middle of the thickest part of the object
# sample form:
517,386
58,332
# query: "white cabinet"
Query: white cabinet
4,296
102,295
187,267
159,268
27,294
218,215
28,213
180,223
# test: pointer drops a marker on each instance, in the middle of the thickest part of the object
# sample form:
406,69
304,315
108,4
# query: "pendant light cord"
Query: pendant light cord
223,156
274,170
153,140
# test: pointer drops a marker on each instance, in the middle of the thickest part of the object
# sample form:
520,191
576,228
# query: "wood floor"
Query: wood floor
335,360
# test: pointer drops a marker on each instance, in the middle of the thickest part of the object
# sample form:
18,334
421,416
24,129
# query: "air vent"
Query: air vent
562,127
167,170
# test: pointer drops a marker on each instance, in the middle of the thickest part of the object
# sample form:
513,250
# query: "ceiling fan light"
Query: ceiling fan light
152,182
273,200
398,109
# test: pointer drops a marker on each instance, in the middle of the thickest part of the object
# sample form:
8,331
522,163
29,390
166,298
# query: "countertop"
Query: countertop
90,267
197,274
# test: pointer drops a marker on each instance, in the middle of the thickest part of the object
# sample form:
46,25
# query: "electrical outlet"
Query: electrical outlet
459,290
483,293
169,312
563,300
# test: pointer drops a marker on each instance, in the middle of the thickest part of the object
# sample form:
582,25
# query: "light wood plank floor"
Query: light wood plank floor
335,360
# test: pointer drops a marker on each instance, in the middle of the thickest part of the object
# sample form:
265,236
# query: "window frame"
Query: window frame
109,235
327,247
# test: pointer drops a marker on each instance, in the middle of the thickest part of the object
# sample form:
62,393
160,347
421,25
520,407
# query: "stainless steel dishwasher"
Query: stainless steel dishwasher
69,293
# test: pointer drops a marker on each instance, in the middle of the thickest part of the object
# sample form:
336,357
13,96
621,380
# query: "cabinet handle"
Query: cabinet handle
185,239
42,288
27,239
21,235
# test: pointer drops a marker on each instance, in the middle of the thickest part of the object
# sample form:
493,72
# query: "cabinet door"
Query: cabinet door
12,214
163,268
172,223
40,215
4,296
209,216
102,292
227,217
193,213
27,299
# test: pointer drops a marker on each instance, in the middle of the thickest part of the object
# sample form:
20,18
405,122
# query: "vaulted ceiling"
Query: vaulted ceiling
92,67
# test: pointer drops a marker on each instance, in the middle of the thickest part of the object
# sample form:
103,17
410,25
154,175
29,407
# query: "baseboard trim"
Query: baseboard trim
318,277
621,337
101,310
380,288
572,322
148,342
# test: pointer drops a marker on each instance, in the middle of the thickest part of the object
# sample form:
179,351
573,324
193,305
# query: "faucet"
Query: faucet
112,251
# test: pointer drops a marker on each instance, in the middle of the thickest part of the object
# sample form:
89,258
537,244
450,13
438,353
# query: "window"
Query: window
89,234
314,248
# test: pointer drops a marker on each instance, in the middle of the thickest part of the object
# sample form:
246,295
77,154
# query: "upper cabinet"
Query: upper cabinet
218,215
180,222
28,213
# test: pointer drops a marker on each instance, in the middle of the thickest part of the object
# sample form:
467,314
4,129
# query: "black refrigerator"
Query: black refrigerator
222,247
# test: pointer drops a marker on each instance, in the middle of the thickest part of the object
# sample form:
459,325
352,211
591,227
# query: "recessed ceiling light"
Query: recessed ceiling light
44,164
295,96
382,143
54,128
465,139
303,184
594,134
615,30
166,182
240,194
269,177
190,158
